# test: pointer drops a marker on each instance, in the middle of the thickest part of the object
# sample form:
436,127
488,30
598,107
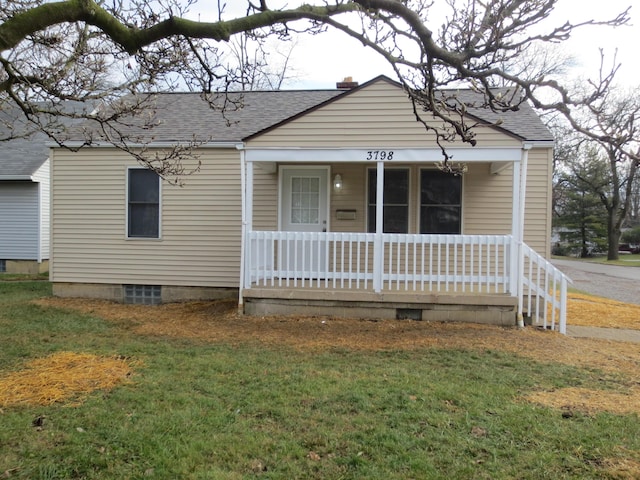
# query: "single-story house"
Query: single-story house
316,202
24,197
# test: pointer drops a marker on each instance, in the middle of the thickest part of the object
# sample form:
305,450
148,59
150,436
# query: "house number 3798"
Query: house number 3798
380,155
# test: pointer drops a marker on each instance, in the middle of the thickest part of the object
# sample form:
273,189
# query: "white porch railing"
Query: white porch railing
404,262
545,294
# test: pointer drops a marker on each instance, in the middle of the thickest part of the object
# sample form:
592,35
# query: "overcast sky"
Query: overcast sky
323,60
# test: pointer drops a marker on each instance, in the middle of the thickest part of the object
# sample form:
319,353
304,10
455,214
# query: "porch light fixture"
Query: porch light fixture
337,182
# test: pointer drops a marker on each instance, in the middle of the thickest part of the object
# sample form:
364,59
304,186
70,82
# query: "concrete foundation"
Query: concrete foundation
27,267
115,293
474,308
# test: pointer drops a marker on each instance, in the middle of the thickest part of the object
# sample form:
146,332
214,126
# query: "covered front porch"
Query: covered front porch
485,278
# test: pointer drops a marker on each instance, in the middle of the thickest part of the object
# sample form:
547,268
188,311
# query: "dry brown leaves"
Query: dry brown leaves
590,311
61,377
589,401
220,322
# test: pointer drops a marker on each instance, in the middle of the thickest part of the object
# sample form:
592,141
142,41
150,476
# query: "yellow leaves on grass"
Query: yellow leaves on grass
590,311
63,376
589,401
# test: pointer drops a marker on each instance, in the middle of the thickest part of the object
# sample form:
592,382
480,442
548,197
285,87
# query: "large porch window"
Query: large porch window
395,214
440,202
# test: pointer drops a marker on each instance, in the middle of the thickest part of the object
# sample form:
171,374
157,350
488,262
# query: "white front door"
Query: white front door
304,206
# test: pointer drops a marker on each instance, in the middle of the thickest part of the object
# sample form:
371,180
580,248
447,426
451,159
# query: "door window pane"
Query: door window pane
440,202
305,200
144,203
395,213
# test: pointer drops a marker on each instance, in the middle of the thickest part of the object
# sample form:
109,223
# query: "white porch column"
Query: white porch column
243,229
378,246
249,224
515,231
521,207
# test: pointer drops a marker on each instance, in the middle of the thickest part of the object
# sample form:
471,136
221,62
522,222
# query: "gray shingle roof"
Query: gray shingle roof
183,117
20,156
524,123
179,117
25,148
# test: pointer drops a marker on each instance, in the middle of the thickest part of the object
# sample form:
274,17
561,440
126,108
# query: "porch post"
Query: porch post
521,206
248,225
515,231
243,228
378,246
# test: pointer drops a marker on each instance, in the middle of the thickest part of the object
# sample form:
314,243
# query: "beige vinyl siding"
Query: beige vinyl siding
265,199
487,201
537,223
200,223
353,196
377,116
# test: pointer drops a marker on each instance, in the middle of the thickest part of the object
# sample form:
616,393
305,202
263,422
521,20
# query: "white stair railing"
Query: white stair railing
545,295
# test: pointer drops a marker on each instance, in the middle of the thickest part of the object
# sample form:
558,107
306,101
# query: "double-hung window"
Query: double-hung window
395,213
440,202
143,203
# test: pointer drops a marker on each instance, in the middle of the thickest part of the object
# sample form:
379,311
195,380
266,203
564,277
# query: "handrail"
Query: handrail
546,291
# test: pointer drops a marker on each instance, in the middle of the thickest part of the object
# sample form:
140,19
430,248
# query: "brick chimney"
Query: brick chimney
346,84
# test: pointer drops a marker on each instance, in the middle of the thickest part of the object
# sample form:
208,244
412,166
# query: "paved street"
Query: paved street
610,281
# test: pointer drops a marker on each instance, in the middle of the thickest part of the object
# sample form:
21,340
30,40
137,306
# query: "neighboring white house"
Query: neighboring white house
24,199
323,202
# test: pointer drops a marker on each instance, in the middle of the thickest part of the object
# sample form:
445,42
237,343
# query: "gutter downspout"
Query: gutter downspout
521,205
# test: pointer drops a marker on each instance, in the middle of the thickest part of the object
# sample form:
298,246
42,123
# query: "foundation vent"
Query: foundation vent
408,314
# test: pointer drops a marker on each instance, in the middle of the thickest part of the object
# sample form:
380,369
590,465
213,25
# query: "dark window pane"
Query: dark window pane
143,221
440,202
440,220
143,186
396,200
440,188
373,186
395,219
396,187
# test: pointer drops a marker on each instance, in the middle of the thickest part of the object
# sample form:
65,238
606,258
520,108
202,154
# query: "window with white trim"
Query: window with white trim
395,213
440,202
143,203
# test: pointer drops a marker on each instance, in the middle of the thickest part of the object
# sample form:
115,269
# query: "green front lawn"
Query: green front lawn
207,410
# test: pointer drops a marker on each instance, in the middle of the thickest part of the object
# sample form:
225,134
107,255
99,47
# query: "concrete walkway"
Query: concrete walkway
616,334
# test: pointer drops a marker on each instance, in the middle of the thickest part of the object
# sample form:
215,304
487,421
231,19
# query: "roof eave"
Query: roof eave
15,178
165,144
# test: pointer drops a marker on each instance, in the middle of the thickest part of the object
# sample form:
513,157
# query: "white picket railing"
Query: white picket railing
407,263
545,294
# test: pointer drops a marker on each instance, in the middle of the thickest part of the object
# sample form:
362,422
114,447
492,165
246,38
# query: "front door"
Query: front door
304,203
